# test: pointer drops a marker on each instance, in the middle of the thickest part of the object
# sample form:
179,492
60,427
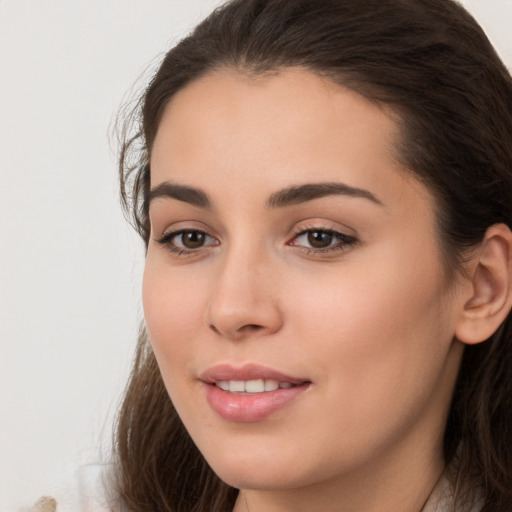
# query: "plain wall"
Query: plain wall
70,267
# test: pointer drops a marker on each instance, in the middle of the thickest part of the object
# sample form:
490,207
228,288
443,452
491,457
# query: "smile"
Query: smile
250,393
252,386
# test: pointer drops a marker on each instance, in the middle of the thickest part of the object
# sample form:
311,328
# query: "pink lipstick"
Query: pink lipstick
249,393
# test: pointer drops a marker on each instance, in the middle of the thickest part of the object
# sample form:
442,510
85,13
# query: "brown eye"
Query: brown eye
187,240
191,239
320,239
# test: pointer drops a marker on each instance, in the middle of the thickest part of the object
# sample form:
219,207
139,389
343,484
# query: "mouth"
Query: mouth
251,387
250,393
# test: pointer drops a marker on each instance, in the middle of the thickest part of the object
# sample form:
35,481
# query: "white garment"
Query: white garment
441,499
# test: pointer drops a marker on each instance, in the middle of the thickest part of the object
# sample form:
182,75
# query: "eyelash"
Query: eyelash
344,242
166,240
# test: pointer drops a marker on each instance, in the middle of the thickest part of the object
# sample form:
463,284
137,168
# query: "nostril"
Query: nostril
214,329
253,327
236,332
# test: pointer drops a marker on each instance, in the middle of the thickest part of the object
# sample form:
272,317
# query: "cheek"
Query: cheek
380,297
376,330
173,313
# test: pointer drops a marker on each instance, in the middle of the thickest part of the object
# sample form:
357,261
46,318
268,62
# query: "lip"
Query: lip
249,407
249,371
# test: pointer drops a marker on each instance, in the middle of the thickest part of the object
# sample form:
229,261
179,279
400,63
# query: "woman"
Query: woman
323,188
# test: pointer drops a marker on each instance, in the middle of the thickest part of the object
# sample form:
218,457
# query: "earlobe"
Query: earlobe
491,283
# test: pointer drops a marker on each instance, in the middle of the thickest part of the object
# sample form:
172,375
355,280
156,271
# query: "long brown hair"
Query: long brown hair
431,62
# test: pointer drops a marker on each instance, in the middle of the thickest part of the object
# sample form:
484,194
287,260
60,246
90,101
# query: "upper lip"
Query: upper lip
250,371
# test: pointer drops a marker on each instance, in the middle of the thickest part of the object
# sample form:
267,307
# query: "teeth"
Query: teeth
255,386
236,386
271,385
252,386
223,384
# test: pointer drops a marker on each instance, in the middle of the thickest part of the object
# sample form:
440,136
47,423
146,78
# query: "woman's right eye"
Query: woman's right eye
187,240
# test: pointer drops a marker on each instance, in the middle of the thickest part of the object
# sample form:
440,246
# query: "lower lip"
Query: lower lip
250,408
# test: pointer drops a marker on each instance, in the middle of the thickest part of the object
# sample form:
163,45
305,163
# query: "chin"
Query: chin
261,469
248,478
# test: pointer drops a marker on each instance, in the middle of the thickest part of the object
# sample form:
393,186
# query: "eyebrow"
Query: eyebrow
303,193
191,195
287,197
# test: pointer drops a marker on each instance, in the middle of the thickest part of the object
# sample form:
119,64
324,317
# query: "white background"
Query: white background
69,266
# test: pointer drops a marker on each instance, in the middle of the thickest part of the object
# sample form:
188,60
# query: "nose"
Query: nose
244,299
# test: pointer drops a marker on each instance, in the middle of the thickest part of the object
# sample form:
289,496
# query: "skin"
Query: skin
370,324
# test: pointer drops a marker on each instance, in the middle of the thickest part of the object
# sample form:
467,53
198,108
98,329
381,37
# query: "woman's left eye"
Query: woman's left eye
322,240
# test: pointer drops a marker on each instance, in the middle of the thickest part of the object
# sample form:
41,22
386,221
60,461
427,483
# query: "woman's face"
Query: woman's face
294,291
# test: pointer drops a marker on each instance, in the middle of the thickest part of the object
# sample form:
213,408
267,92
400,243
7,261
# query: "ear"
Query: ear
490,287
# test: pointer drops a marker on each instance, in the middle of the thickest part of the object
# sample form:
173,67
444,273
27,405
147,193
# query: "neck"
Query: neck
386,485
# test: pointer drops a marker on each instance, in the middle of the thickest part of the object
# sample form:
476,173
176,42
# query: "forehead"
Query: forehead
297,104
272,131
